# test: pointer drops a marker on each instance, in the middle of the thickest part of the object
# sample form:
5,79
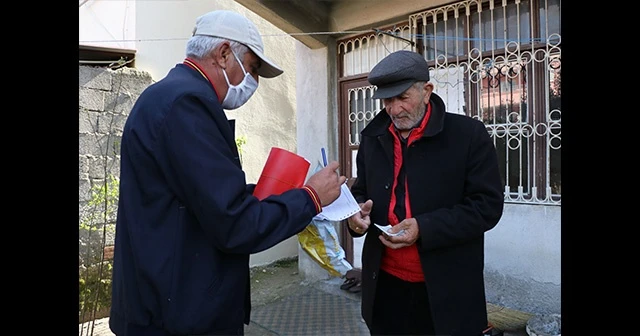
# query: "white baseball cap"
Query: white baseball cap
233,26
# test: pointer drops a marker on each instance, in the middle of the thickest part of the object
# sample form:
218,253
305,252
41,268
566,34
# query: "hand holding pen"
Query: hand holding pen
327,182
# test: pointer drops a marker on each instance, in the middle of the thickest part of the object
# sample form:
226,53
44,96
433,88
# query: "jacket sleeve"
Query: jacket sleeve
481,204
201,168
359,187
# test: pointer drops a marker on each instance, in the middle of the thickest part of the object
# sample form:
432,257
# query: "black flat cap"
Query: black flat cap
395,73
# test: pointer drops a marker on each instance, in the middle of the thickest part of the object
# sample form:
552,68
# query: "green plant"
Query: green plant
94,288
94,281
239,143
101,206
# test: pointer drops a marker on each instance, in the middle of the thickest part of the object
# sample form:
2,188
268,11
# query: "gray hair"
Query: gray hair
199,46
419,84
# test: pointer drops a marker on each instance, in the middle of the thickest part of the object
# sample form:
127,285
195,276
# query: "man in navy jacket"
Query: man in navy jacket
187,220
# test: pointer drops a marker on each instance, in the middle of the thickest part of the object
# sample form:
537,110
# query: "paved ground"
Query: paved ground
284,304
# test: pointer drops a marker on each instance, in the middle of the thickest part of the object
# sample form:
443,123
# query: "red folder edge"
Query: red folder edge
283,170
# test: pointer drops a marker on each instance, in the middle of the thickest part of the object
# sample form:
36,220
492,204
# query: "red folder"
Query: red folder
283,171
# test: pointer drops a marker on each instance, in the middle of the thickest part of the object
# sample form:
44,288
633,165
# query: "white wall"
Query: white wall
313,126
523,259
109,24
161,30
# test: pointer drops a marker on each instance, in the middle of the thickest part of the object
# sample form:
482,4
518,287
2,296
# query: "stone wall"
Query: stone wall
105,99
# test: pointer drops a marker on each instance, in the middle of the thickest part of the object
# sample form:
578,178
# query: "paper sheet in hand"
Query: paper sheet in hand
385,229
342,208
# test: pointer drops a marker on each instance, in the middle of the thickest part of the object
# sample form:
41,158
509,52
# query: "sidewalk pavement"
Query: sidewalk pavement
322,308
284,304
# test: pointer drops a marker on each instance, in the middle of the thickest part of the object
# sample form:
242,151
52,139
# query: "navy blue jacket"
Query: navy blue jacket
187,220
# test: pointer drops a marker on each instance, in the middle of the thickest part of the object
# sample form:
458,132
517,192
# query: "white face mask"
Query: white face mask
237,95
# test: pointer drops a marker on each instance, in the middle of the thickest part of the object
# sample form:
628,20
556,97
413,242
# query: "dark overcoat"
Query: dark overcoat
456,195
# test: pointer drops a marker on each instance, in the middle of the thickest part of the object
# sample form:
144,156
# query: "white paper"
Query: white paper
342,208
386,229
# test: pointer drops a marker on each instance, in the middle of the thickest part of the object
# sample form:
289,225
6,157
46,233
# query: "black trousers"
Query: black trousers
401,308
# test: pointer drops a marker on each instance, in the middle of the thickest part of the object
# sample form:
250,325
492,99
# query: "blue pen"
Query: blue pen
324,156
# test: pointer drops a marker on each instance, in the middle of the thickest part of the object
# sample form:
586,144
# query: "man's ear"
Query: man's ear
221,53
428,89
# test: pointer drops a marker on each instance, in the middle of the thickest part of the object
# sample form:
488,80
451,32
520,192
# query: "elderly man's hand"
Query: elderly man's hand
409,237
360,221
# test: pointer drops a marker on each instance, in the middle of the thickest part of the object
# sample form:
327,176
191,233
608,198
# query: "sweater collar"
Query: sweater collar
194,65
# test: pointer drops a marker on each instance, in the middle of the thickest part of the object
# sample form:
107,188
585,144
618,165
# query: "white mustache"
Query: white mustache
401,115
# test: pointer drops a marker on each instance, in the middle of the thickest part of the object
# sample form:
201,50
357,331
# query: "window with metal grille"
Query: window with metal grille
499,62
496,61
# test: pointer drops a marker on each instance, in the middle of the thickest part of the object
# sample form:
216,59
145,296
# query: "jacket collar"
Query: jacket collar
194,71
380,123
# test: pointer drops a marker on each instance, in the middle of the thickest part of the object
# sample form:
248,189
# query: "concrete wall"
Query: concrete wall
523,259
317,122
105,98
159,30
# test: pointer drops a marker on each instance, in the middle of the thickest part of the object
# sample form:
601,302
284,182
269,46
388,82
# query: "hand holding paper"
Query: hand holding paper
342,208
385,230
408,233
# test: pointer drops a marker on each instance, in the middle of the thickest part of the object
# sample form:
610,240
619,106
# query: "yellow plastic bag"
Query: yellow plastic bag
320,240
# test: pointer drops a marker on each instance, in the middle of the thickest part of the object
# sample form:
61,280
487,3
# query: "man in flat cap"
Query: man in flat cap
187,219
433,176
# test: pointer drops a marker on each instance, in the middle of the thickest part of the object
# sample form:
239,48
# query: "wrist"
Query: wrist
314,197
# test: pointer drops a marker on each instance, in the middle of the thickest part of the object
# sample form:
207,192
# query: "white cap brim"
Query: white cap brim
268,68
234,26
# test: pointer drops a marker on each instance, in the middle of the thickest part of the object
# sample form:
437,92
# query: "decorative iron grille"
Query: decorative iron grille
360,54
496,61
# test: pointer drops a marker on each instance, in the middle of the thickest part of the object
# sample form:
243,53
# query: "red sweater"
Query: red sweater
403,263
